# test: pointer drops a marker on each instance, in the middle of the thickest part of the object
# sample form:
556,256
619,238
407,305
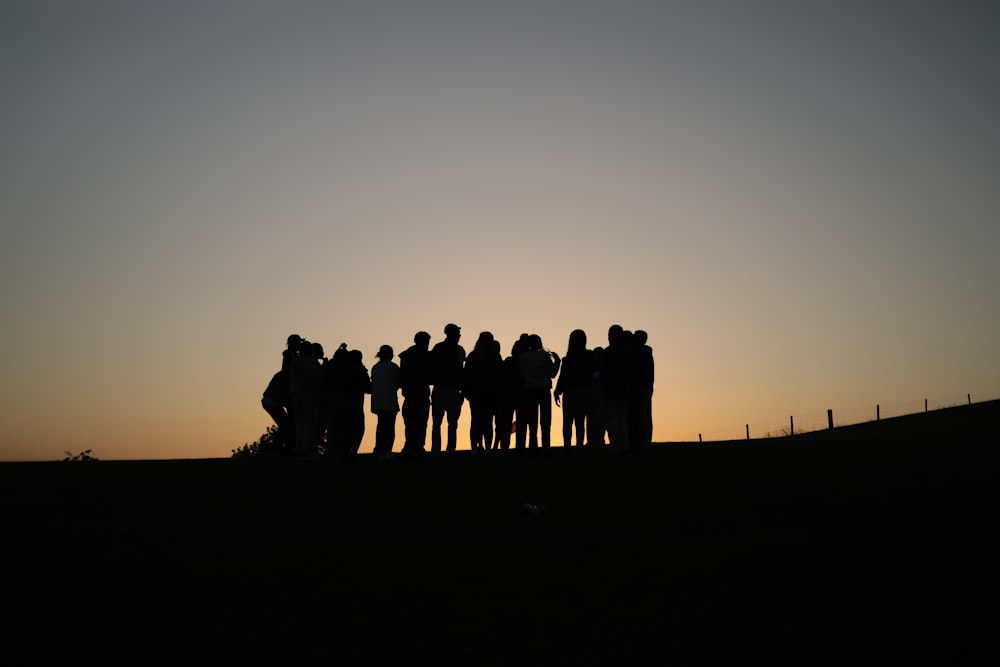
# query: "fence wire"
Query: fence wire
818,421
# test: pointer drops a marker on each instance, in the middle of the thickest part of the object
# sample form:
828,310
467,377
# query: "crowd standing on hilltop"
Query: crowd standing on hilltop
318,404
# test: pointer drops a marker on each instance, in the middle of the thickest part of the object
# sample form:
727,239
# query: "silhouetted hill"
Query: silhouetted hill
798,550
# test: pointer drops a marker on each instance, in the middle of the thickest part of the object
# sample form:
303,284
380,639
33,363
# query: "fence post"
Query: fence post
878,412
969,396
791,425
748,431
829,418
925,405
699,437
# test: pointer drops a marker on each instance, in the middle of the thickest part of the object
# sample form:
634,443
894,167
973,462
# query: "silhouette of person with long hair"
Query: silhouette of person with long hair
348,380
415,382
574,388
447,362
522,403
537,366
480,385
508,396
385,401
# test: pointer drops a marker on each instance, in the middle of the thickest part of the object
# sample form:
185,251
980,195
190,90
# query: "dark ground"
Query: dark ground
869,546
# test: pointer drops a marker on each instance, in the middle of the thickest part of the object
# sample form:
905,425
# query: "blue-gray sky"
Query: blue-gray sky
798,201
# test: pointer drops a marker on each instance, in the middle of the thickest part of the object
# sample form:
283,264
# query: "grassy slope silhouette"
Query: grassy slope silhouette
869,541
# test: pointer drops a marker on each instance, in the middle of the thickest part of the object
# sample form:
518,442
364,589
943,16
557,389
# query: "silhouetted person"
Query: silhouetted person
447,361
537,366
508,396
324,400
641,395
522,404
480,386
292,349
415,382
498,353
305,384
293,346
595,418
574,388
385,401
616,379
276,401
359,385
338,372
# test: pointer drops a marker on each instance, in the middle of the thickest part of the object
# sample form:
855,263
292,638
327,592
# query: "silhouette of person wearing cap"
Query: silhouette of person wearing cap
415,382
385,401
447,362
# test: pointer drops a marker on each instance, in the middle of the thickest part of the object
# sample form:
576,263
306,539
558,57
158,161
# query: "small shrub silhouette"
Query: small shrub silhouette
85,455
267,442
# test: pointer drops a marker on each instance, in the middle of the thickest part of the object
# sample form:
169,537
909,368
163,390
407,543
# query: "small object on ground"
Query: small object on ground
531,509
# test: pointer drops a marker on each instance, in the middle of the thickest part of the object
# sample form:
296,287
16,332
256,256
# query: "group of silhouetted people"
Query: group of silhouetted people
318,404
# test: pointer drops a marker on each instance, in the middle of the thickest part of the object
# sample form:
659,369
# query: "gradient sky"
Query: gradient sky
797,200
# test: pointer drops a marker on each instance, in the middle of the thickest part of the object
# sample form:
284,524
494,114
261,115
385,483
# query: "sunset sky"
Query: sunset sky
799,201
